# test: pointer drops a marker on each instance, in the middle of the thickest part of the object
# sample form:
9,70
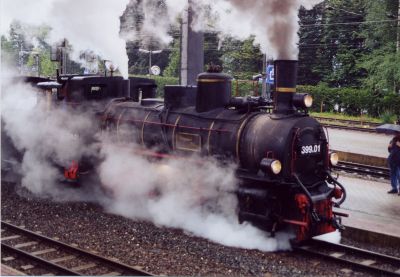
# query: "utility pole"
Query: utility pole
150,52
37,60
62,59
192,53
264,77
398,29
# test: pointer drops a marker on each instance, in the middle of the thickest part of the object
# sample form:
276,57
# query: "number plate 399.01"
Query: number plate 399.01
310,149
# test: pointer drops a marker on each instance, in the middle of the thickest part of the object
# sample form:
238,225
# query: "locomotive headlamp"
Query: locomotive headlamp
302,100
334,158
271,165
308,101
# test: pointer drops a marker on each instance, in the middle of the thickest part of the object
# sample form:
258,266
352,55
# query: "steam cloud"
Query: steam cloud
182,193
274,22
95,24
87,24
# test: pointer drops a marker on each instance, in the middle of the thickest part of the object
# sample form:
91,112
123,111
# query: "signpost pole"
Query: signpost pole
264,78
270,78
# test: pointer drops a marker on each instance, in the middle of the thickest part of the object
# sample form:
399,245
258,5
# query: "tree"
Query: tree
212,49
382,63
342,43
310,35
134,31
172,70
381,34
8,54
241,58
46,66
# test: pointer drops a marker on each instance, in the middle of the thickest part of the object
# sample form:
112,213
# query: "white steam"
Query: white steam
45,135
86,24
333,237
181,193
95,24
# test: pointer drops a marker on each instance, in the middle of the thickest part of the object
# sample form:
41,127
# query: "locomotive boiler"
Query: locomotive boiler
283,158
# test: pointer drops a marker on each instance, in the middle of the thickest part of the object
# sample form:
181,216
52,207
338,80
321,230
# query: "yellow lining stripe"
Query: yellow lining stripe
286,89
239,132
208,137
119,119
212,80
173,133
144,122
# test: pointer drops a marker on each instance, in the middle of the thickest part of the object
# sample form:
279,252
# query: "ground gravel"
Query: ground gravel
159,250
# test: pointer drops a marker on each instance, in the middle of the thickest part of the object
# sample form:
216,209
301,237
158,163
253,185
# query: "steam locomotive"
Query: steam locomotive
282,155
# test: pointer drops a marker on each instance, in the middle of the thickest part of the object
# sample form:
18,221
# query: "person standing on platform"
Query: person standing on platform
394,163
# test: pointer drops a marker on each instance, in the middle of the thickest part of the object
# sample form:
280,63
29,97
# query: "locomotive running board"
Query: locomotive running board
245,175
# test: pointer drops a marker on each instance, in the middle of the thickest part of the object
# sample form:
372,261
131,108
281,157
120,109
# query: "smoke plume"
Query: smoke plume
274,22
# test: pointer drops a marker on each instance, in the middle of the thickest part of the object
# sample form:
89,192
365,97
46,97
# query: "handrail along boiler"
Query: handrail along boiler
283,157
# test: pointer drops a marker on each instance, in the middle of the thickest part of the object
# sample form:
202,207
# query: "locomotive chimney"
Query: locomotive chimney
285,86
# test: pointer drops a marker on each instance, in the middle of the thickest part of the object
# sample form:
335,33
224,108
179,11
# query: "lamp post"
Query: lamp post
150,52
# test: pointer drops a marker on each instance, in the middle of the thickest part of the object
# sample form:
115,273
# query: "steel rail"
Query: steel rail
115,265
348,121
375,171
37,259
352,256
350,128
346,124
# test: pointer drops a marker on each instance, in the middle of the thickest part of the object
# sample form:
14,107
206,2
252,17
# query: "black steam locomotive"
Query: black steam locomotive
282,155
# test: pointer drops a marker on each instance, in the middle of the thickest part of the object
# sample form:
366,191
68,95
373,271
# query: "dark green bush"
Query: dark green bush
161,81
351,101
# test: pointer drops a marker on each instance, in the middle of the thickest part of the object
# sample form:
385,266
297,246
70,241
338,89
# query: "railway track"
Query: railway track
352,125
366,260
362,169
39,255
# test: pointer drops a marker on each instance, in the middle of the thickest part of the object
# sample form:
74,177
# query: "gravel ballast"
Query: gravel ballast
159,250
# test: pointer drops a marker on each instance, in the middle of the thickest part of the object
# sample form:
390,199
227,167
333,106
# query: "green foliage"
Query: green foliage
18,39
383,72
172,70
46,66
212,49
381,35
245,88
363,118
311,35
8,55
388,117
161,81
351,101
241,59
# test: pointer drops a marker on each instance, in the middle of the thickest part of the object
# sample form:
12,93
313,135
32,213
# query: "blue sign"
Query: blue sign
270,74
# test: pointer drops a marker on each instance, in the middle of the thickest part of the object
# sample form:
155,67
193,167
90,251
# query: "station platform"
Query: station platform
370,144
370,207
